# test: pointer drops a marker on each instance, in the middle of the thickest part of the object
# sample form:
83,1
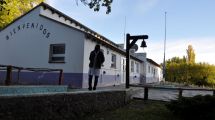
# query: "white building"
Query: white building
153,72
46,38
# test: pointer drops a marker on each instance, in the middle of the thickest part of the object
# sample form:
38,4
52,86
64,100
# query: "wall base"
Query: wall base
60,106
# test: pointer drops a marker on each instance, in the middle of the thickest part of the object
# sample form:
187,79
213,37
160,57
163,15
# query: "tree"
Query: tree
176,69
96,4
2,3
176,60
185,70
11,9
190,55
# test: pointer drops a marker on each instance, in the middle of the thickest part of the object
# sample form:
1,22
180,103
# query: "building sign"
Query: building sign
37,26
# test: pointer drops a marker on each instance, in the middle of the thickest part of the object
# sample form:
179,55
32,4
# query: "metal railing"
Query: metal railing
9,69
180,89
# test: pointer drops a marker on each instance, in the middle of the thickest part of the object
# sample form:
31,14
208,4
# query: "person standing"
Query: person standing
96,60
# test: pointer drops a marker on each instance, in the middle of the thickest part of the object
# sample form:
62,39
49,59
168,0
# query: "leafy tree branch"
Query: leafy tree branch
96,4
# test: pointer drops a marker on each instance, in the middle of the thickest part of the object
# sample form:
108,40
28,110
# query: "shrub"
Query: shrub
194,108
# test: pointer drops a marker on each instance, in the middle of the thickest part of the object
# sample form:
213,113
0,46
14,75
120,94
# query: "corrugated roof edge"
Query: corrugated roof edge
67,17
64,15
78,23
153,62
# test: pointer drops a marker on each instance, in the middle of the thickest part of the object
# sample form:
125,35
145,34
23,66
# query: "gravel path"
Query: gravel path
167,95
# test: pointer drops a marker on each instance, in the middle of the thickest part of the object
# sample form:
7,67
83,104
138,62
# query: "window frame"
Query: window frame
137,67
56,55
113,63
132,66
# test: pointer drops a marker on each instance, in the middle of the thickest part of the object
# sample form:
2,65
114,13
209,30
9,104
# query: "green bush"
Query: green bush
194,108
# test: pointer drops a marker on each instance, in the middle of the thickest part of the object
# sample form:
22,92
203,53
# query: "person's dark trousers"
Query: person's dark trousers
95,82
90,82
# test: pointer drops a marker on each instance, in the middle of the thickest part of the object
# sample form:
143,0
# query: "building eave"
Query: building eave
153,62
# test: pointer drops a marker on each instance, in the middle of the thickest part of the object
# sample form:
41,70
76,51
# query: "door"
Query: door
123,65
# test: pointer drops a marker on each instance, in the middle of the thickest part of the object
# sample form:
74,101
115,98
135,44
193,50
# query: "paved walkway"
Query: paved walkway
154,94
167,95
117,87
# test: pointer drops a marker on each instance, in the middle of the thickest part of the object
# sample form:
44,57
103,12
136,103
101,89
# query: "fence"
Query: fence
9,69
180,89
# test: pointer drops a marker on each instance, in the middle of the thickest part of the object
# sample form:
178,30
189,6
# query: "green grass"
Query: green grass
137,110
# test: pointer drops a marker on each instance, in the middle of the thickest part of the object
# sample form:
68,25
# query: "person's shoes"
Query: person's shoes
90,88
94,88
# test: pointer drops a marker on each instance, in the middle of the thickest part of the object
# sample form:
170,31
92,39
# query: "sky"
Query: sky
188,22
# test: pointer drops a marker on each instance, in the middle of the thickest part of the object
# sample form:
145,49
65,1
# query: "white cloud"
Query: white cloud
204,49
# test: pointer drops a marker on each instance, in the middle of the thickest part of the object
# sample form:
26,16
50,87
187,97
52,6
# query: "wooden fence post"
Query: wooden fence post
18,75
146,90
8,75
60,77
180,93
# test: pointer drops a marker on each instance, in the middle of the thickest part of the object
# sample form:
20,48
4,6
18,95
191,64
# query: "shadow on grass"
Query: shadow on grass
136,110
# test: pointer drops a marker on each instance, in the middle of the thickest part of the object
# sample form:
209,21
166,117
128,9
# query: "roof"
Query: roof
89,32
86,29
152,62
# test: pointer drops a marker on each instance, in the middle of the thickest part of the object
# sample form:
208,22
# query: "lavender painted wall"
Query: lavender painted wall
74,80
110,80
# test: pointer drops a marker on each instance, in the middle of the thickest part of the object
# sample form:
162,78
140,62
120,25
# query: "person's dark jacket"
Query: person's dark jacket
99,61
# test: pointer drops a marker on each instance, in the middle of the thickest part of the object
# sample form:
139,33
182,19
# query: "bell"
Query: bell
143,44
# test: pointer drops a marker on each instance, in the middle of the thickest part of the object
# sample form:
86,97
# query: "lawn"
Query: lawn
137,110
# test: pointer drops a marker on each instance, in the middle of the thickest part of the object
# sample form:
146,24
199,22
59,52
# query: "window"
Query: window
137,67
132,66
154,72
57,53
107,51
113,61
148,69
124,64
